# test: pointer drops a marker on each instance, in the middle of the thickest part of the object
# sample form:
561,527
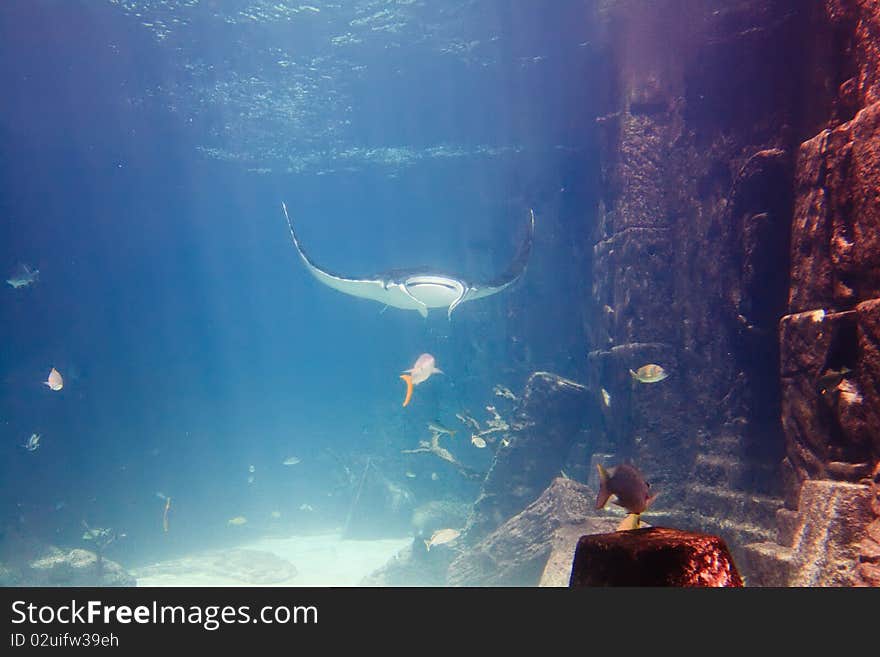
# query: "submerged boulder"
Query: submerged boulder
438,514
656,556
549,417
517,553
75,567
414,566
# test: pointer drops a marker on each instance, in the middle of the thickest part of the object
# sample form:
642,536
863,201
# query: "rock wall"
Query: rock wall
830,359
689,266
741,184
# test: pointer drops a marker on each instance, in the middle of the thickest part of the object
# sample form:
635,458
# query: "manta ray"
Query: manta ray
419,289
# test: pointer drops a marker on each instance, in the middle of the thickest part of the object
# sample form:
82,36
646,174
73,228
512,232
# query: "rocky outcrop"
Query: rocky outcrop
869,548
62,567
557,570
414,566
820,543
656,556
534,547
550,415
689,267
833,430
517,552
830,365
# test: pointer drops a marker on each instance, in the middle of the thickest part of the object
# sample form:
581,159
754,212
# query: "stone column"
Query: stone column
830,340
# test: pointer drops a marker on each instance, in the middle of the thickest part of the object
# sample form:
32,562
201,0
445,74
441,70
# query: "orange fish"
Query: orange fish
420,372
55,382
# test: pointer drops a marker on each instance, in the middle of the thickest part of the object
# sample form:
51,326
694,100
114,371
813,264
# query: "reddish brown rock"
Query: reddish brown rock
831,432
836,225
866,420
656,556
860,19
827,428
869,550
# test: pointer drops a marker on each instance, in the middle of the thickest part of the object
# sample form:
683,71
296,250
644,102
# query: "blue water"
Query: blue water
143,170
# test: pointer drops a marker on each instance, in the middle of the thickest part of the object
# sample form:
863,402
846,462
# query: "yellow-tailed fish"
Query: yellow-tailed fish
420,372
626,483
650,373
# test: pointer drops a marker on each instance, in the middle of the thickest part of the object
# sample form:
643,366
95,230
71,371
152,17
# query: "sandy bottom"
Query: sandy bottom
315,560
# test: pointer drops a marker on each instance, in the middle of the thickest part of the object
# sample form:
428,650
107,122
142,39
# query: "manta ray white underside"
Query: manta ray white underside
415,289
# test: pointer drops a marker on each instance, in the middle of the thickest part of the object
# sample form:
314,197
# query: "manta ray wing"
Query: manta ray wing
418,289
514,272
375,288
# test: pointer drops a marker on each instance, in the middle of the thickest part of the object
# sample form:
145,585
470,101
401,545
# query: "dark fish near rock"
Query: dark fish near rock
627,484
831,379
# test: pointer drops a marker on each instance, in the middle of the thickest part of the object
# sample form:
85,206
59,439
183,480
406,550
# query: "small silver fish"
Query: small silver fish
501,391
251,469
606,397
437,427
306,507
478,442
291,460
442,536
33,442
